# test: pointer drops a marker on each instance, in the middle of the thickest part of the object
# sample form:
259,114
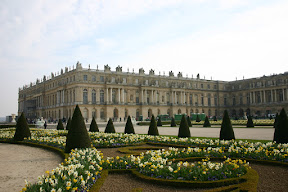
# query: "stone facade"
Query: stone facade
115,94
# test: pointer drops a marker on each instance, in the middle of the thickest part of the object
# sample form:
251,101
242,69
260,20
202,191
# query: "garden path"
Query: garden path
19,163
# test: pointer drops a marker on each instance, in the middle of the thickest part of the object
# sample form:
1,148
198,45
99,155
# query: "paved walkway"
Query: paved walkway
19,163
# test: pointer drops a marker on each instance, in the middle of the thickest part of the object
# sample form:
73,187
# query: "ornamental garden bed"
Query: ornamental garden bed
85,168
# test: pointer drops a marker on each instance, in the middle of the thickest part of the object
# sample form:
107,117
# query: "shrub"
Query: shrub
77,136
276,120
129,128
93,126
22,129
60,125
281,129
206,122
153,130
184,130
250,122
189,121
198,118
159,123
215,118
226,131
68,125
110,127
173,123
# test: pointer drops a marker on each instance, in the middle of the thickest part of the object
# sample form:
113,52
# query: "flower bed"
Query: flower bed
84,166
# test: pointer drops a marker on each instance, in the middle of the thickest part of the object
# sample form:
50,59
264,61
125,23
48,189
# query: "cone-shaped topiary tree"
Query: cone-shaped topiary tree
159,123
276,120
68,125
22,129
60,125
93,126
226,131
249,122
189,121
198,118
215,118
206,122
110,127
77,136
153,130
129,128
281,129
173,123
184,130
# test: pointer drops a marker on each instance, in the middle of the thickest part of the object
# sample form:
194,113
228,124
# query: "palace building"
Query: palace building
115,94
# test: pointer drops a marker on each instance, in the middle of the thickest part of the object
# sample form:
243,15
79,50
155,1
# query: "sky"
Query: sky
219,39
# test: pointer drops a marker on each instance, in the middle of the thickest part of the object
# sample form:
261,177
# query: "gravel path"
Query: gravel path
19,163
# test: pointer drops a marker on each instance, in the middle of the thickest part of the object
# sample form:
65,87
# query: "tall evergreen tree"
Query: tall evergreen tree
198,118
153,130
60,125
184,130
77,136
189,121
110,127
22,129
68,125
129,128
226,131
93,126
206,122
159,123
281,129
249,122
173,123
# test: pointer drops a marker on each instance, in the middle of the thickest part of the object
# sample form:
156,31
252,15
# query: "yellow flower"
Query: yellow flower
67,188
24,189
75,180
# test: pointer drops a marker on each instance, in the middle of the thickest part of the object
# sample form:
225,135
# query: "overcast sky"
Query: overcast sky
222,39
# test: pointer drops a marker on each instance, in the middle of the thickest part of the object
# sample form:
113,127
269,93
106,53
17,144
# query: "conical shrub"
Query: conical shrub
276,120
110,127
77,136
249,122
129,128
281,129
22,129
184,130
215,118
60,125
68,125
93,126
189,121
153,130
173,123
206,122
198,118
159,123
226,132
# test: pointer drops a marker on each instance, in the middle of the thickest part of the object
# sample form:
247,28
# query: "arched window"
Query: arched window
93,96
85,96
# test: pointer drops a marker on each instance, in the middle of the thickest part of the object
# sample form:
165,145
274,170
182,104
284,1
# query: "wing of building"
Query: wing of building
115,94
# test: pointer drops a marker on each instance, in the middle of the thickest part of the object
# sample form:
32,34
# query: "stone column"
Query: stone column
152,95
172,97
271,95
260,92
251,98
119,96
275,95
283,93
107,96
175,101
264,97
286,94
254,93
145,95
142,96
123,95
181,97
111,89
